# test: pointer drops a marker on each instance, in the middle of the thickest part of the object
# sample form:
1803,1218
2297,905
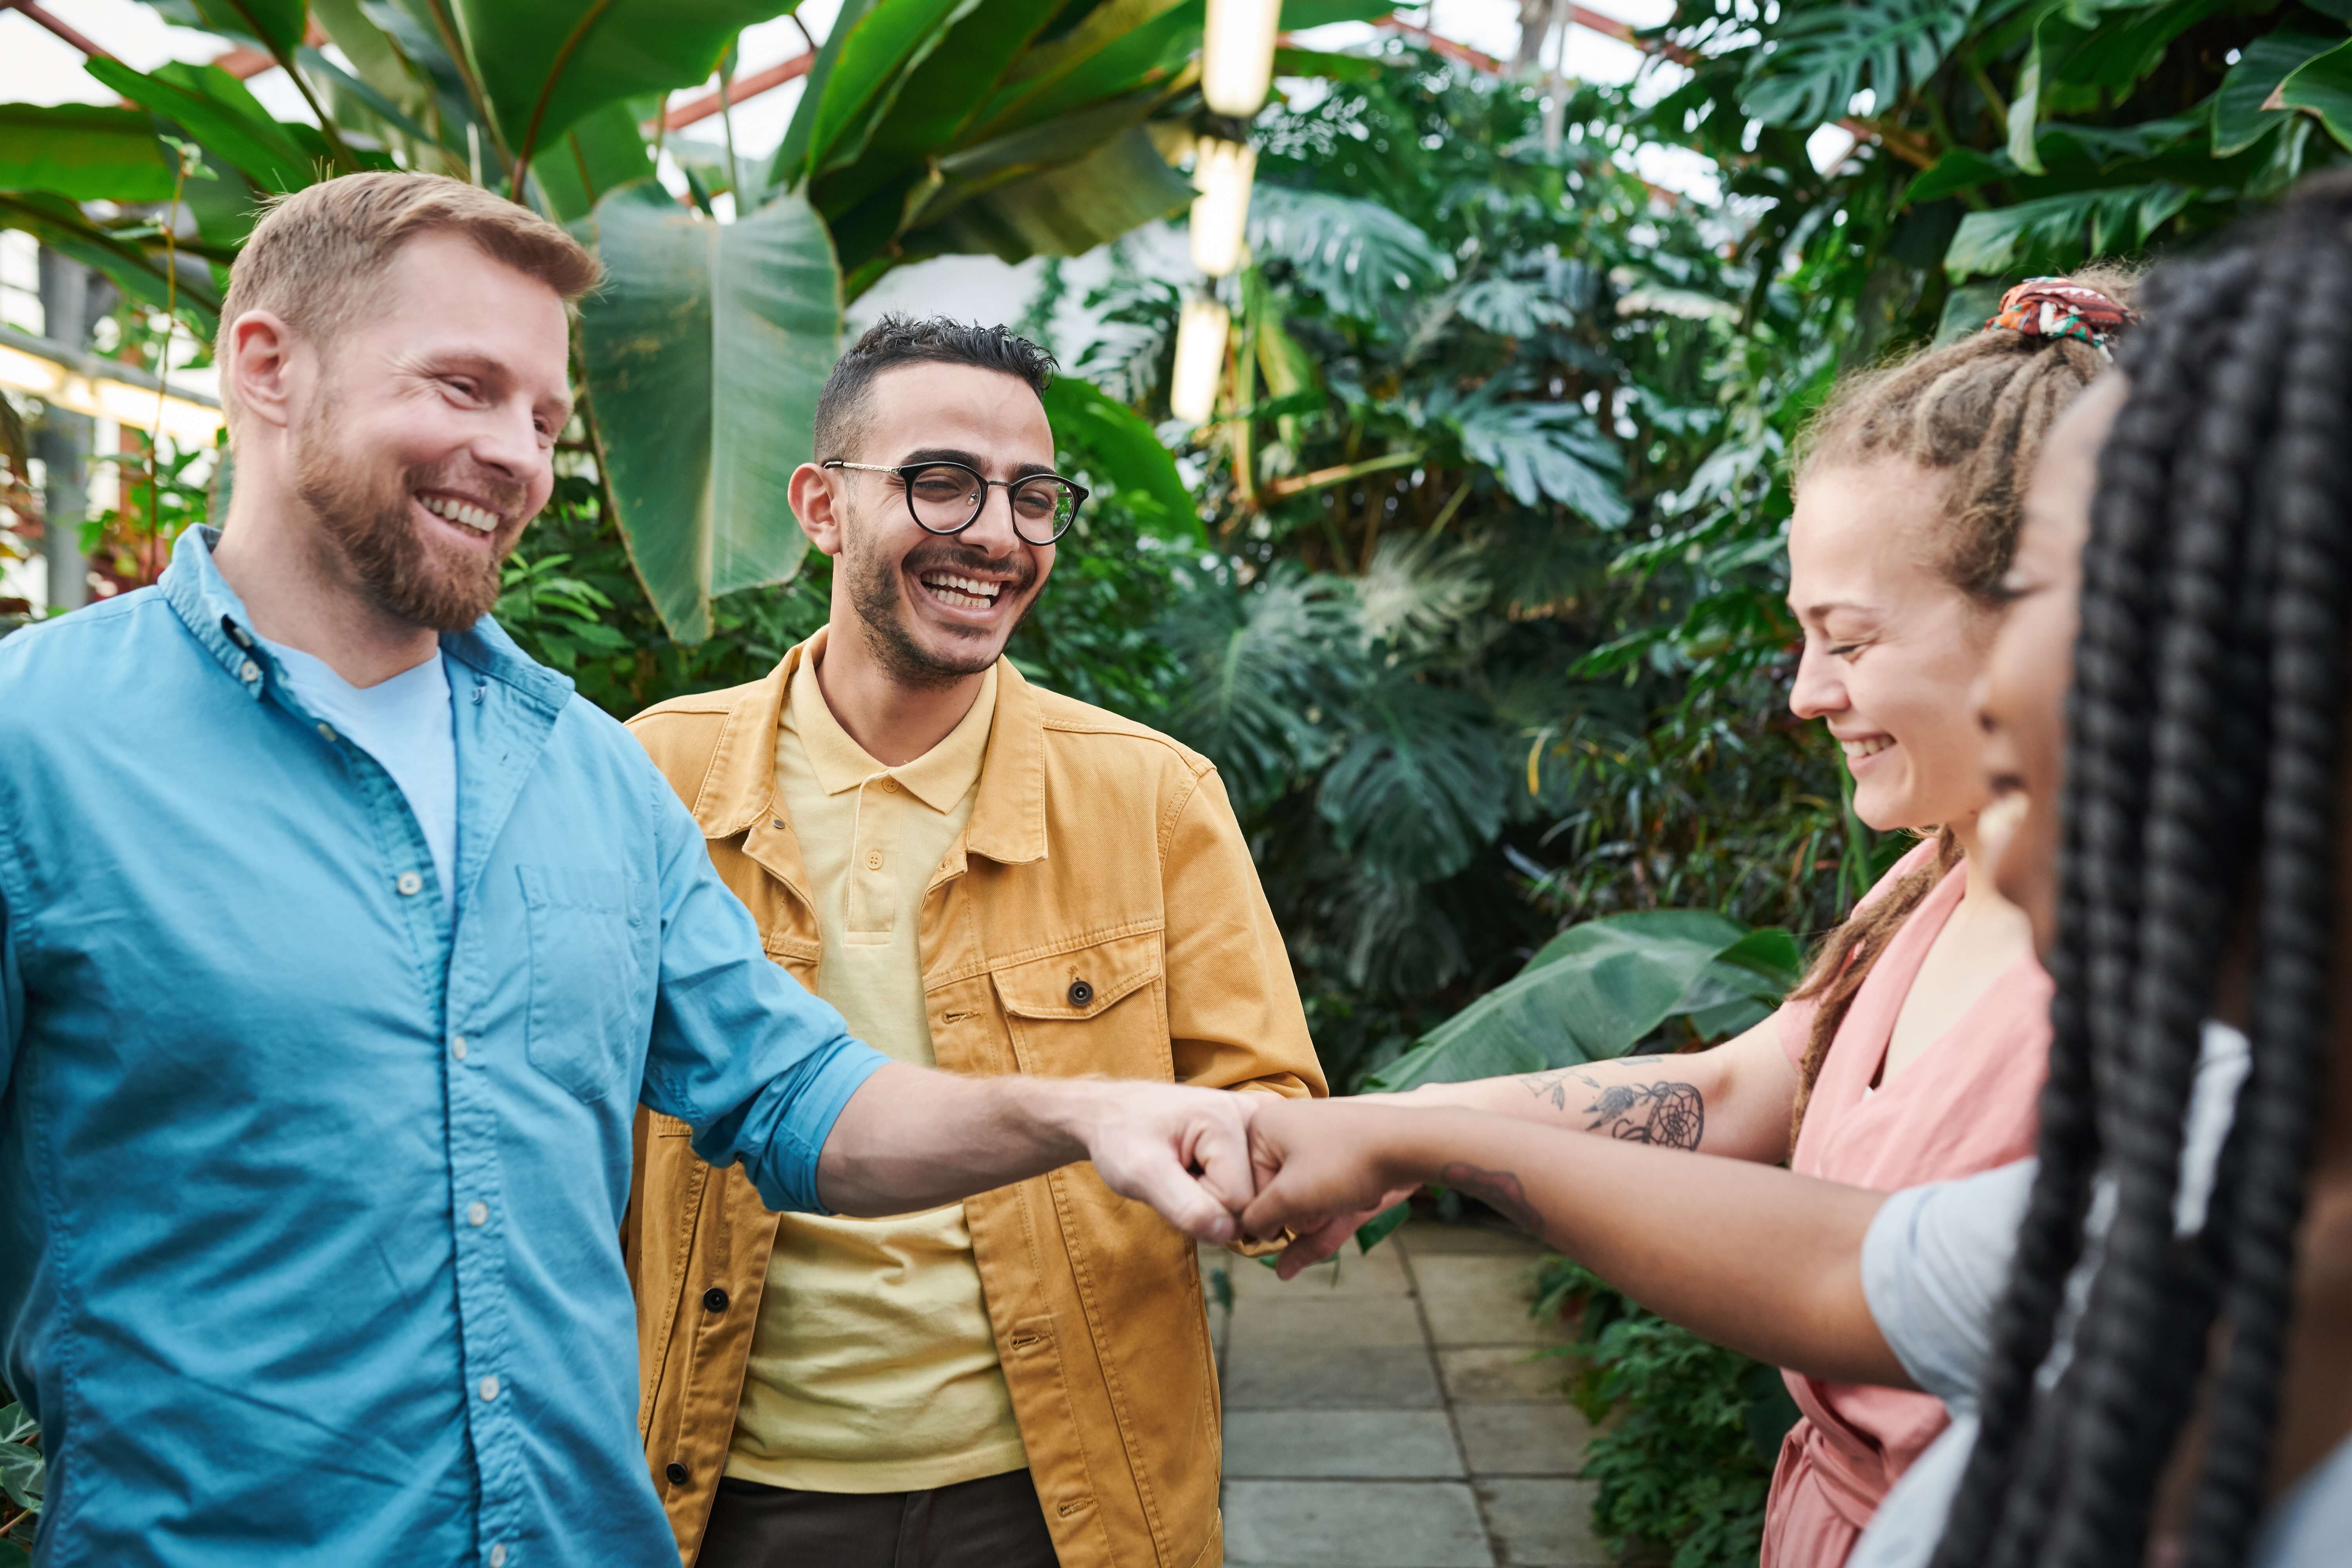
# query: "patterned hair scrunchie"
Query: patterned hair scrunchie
2053,308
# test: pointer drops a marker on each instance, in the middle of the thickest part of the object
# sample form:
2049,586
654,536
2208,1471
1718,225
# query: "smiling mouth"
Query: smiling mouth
963,593
1868,746
465,514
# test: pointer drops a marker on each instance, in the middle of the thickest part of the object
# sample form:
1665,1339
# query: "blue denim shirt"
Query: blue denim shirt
310,1193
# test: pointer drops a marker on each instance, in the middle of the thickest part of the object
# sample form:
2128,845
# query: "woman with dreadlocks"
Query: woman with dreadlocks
1915,1049
2173,1373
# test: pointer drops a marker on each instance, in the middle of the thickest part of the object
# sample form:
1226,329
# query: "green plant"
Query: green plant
1687,1432
23,1474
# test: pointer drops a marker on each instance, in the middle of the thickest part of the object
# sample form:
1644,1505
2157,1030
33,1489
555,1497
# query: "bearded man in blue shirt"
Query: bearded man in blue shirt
339,942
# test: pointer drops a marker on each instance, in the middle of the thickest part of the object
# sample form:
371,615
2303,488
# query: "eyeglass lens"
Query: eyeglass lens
947,498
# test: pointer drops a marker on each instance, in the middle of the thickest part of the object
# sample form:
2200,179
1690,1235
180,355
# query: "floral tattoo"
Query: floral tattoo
1671,1115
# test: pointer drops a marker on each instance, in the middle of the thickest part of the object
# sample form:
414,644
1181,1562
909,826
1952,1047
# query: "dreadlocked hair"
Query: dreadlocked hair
1973,412
2201,779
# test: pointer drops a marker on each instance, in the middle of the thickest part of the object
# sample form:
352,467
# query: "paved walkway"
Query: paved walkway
1389,1412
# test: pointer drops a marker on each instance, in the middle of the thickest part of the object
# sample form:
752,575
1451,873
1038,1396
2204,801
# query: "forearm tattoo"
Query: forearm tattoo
1498,1190
1671,1115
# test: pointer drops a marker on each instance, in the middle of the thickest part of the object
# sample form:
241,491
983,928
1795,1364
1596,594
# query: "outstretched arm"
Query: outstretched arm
910,1139
1758,1258
1732,1099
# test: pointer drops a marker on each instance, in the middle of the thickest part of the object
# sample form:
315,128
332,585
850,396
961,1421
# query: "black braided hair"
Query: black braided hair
2202,782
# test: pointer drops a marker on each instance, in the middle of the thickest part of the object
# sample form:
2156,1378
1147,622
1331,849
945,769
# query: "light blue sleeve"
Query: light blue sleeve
12,996
1933,1263
741,1051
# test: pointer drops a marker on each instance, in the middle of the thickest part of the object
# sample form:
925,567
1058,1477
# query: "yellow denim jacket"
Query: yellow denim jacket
1100,914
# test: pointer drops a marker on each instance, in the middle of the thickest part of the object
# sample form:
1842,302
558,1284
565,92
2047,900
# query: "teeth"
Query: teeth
1857,750
966,592
472,516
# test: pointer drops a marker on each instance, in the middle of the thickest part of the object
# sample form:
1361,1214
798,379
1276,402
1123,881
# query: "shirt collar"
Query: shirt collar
938,778
193,585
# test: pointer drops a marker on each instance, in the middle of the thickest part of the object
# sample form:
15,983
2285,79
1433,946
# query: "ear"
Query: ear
817,501
260,366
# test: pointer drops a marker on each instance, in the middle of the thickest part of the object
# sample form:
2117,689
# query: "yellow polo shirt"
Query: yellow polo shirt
873,1366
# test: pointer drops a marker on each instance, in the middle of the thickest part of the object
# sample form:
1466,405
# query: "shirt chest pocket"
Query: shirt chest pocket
1092,1008
588,1018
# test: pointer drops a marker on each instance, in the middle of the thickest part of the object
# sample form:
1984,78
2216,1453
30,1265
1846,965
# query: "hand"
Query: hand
1185,1152
1323,1167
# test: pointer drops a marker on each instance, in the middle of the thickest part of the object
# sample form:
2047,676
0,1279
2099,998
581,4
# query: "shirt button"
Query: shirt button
490,1388
457,1048
498,1557
410,884
478,1213
714,1299
676,1473
248,672
890,785
327,733
874,859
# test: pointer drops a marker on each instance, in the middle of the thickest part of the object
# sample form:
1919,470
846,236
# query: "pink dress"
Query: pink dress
1965,1104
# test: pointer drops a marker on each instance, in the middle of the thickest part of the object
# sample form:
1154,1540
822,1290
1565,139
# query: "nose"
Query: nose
992,530
1817,691
509,442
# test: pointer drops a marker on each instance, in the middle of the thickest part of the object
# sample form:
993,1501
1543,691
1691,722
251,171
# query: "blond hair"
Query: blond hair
1974,412
316,253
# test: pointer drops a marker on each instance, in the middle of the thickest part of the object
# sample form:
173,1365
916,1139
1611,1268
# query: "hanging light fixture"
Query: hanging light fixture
1221,172
1200,335
1237,55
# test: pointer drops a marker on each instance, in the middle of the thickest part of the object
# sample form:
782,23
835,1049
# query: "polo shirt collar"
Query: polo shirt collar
940,778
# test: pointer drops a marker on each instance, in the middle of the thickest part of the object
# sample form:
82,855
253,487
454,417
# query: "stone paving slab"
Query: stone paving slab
1353,1524
1542,1524
1545,1439
1499,1373
1296,1377
1370,1322
1380,1272
1364,1445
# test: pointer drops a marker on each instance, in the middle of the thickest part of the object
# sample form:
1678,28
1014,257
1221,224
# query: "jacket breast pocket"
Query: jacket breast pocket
588,992
1094,1007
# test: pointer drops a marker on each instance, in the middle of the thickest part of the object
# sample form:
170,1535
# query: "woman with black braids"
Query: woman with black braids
2172,1380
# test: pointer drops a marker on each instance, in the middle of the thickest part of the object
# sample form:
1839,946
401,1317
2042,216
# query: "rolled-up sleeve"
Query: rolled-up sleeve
1933,1263
756,1066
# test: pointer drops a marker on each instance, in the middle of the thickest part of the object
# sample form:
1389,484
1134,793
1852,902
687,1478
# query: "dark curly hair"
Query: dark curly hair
895,341
2200,808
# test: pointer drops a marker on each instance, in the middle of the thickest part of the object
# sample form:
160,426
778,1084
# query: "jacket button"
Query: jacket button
714,1299
1080,993
676,1474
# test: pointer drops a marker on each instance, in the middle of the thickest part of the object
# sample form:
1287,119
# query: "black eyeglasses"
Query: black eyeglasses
946,498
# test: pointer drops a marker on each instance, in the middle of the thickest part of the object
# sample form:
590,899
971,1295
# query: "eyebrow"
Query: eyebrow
969,459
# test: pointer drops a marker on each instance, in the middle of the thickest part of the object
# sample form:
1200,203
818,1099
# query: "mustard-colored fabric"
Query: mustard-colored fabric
873,1367
1097,850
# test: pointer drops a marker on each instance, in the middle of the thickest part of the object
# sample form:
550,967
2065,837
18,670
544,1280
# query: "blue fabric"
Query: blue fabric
404,724
239,1284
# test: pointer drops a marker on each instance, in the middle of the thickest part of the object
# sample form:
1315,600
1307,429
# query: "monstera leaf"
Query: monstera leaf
1825,51
1597,990
704,353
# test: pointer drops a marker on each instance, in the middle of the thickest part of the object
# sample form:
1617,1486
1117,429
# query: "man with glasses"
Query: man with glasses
989,878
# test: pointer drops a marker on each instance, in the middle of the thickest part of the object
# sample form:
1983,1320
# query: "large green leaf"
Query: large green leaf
543,64
1121,46
1362,258
2321,88
1264,669
889,40
704,354
222,113
2240,116
64,228
944,89
602,152
83,152
276,24
1063,211
2058,231
1421,788
1121,449
1824,51
1540,450
1595,991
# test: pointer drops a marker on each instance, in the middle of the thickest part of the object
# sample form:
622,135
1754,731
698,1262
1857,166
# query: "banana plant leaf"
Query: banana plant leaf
704,353
2321,88
1063,211
602,152
276,24
543,64
1596,990
2240,113
1121,451
83,152
218,110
